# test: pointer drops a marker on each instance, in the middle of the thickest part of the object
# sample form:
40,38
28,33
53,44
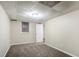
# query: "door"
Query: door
39,32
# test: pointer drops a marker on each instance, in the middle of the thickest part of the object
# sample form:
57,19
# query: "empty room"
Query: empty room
39,28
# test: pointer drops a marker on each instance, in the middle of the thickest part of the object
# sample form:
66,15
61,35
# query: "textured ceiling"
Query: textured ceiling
44,10
20,10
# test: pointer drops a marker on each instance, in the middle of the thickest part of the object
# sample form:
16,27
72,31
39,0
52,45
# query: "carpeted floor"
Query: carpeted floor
34,50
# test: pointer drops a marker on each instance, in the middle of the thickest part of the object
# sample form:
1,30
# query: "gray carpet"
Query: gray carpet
34,50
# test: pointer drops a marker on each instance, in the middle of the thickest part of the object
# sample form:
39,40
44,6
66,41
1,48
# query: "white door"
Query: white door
39,32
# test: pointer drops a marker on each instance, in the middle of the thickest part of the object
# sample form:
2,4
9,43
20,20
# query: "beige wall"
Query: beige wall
19,37
63,33
4,32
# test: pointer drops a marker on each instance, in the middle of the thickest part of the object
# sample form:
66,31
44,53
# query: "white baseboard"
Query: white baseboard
61,50
6,51
22,43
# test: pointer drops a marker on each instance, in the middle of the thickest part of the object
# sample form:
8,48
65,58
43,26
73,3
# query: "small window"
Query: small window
25,27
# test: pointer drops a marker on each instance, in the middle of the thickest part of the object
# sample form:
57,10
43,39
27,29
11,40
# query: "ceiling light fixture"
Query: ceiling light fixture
34,15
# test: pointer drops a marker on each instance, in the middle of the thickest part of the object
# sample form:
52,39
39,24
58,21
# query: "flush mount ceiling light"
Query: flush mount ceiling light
33,14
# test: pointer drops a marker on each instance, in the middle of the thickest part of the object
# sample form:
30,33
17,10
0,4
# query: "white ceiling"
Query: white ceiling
34,11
